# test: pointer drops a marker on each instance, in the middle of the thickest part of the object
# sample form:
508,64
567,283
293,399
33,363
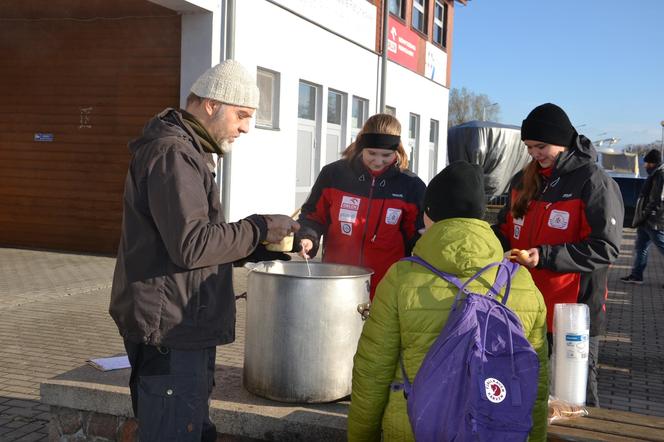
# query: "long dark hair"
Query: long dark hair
531,183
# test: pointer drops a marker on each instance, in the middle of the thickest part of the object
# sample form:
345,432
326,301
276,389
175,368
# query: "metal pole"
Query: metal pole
383,59
484,110
228,158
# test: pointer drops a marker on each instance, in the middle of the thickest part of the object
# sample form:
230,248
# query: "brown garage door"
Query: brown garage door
78,80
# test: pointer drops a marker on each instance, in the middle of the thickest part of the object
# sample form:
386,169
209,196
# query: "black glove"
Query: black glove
263,254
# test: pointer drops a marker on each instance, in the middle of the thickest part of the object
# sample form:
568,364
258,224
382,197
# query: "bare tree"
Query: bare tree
466,106
642,149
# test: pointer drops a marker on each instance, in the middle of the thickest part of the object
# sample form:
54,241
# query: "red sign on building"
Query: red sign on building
402,45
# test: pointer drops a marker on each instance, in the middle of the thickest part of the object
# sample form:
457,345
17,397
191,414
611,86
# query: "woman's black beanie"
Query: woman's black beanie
550,124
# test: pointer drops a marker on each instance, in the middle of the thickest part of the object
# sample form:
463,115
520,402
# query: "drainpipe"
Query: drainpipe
383,57
227,158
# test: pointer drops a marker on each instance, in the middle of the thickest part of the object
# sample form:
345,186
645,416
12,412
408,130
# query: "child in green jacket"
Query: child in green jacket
412,304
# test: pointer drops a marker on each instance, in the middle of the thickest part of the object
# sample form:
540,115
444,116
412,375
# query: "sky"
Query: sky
602,61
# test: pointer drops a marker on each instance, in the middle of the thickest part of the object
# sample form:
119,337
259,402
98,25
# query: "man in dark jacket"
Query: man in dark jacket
648,217
172,297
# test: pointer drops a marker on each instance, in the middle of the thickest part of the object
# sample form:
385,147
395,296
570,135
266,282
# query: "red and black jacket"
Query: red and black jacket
367,220
576,221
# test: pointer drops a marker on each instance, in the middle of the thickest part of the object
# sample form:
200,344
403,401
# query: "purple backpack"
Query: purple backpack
478,381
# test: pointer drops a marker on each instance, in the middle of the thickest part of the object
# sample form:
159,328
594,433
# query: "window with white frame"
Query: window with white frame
336,125
440,23
267,115
360,113
389,110
397,7
306,105
413,141
419,19
335,103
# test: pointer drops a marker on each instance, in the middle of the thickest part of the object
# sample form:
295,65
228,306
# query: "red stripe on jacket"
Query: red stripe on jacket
550,223
370,234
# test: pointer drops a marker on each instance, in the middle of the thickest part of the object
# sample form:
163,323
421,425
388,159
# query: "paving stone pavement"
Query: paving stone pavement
53,317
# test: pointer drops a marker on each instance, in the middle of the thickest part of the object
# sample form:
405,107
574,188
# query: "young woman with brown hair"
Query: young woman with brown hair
567,213
367,205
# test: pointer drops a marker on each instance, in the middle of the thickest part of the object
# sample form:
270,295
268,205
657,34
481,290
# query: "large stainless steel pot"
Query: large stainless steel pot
302,329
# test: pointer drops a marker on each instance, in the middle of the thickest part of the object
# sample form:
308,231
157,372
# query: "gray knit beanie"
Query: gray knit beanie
228,82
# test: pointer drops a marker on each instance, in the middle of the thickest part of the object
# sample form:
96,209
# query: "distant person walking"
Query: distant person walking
648,216
172,296
567,213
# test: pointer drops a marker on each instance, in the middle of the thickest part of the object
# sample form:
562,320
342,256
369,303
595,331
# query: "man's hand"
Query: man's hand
279,226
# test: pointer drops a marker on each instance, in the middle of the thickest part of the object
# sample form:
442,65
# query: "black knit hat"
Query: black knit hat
548,123
654,156
456,192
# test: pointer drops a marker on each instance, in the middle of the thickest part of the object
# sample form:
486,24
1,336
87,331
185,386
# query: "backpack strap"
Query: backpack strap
506,271
514,380
446,276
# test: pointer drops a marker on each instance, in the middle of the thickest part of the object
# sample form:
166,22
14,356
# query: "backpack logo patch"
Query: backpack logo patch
495,390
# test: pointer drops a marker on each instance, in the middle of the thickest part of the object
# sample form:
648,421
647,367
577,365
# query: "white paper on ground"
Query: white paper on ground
112,363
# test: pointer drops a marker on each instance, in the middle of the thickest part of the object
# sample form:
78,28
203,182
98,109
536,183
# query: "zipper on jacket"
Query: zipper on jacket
380,215
366,224
539,225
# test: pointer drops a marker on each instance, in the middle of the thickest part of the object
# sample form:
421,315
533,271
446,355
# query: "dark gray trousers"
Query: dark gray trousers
170,390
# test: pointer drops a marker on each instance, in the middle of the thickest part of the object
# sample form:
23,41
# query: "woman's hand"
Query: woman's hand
527,257
305,246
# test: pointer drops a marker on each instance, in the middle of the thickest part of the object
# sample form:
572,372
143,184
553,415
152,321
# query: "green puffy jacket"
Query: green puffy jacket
410,309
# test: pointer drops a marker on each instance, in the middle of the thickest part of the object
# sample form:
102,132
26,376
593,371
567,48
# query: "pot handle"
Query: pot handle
363,310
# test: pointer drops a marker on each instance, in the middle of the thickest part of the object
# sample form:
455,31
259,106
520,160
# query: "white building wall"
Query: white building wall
201,38
268,36
409,93
264,161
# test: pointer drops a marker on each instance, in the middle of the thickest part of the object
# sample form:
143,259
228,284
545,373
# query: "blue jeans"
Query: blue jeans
645,236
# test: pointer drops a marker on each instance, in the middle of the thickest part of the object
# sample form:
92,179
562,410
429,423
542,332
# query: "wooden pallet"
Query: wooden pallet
608,425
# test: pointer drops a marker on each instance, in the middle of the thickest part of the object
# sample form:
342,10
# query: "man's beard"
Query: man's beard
225,146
